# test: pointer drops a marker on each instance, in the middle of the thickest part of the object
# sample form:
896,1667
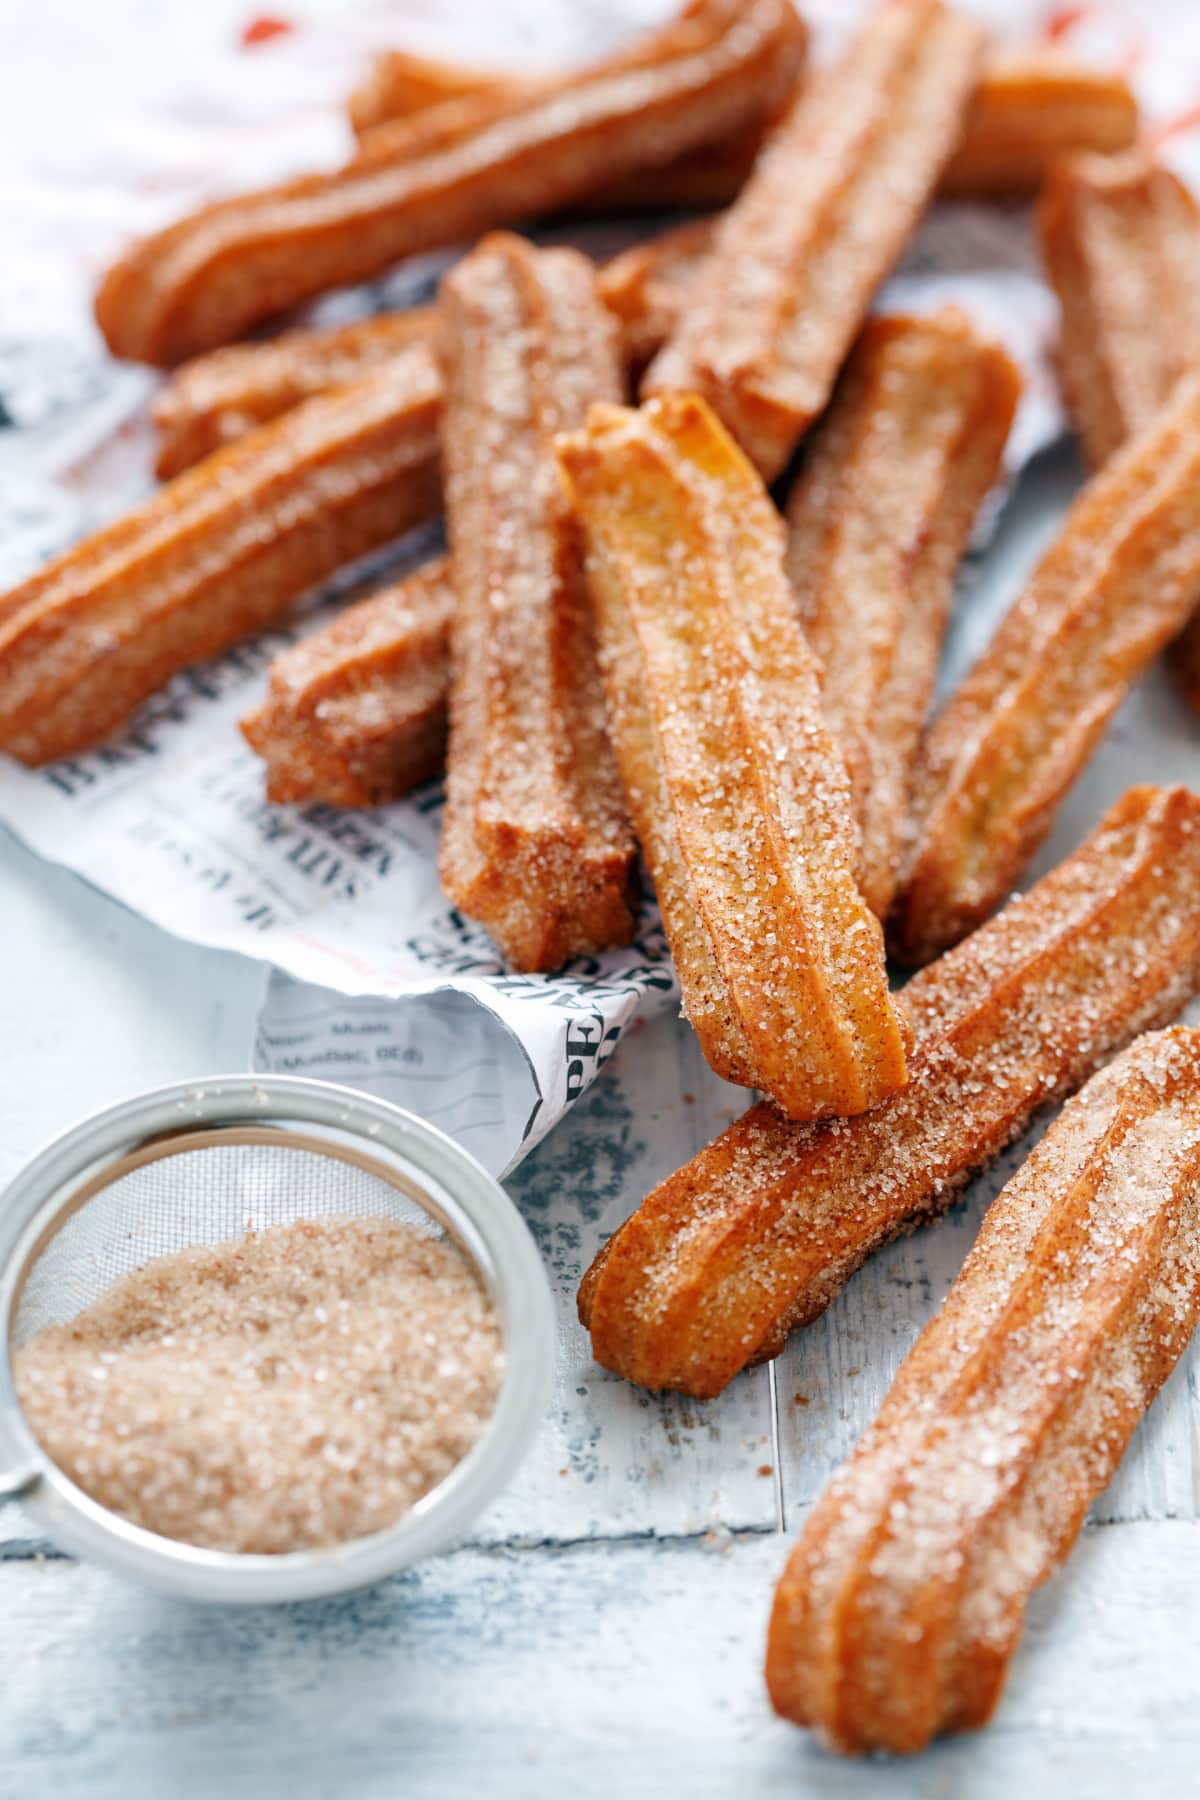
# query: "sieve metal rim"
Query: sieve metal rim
465,1199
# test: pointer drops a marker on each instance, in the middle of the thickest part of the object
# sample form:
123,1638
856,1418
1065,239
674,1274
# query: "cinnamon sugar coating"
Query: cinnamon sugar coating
1118,582
711,174
218,553
536,844
877,525
442,176
213,400
903,1601
1031,107
738,795
759,1232
288,1390
355,714
1120,241
833,200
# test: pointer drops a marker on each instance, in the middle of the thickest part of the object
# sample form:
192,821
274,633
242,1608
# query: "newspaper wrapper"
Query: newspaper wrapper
375,979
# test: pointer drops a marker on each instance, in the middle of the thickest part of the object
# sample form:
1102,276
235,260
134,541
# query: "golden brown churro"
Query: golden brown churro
711,174
355,714
1030,108
400,84
535,842
833,199
1113,589
758,1233
218,553
1120,240
647,286
738,795
877,524
218,398
903,1601
443,175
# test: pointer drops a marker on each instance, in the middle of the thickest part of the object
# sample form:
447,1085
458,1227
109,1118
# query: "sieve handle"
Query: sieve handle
16,1482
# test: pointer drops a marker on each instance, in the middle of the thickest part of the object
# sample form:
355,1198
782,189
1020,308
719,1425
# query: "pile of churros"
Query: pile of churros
637,655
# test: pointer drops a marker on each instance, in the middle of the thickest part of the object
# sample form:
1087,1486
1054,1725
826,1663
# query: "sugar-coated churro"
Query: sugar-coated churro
220,552
711,174
1031,107
355,714
833,198
647,286
877,524
758,1233
400,83
443,175
216,399
903,1601
535,843
1120,241
738,795
1116,585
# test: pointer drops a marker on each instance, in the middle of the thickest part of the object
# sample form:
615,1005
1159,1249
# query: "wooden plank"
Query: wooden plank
593,1670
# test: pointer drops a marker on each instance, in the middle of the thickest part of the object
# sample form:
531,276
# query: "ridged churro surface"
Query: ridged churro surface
535,843
216,399
1030,108
220,552
759,1232
441,176
1116,585
738,795
877,525
833,199
903,1601
1120,241
355,714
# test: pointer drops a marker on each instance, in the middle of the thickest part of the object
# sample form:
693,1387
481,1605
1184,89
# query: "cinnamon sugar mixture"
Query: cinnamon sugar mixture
294,1387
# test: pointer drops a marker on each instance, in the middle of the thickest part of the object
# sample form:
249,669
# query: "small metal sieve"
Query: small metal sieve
197,1163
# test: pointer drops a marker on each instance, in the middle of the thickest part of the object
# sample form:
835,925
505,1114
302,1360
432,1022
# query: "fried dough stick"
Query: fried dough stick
904,1599
760,1231
738,795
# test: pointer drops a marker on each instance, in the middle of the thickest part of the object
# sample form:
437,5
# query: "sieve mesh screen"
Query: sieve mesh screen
202,1195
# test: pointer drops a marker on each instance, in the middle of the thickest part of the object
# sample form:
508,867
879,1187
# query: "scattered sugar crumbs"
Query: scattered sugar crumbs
291,1388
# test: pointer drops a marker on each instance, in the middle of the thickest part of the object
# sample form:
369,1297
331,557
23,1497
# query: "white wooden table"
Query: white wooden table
605,1634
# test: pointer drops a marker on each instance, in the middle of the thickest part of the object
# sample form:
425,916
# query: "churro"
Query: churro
218,553
1120,241
760,1231
1119,581
355,714
876,527
647,286
832,201
400,83
1032,107
443,175
738,795
903,1601
710,175
535,842
216,399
